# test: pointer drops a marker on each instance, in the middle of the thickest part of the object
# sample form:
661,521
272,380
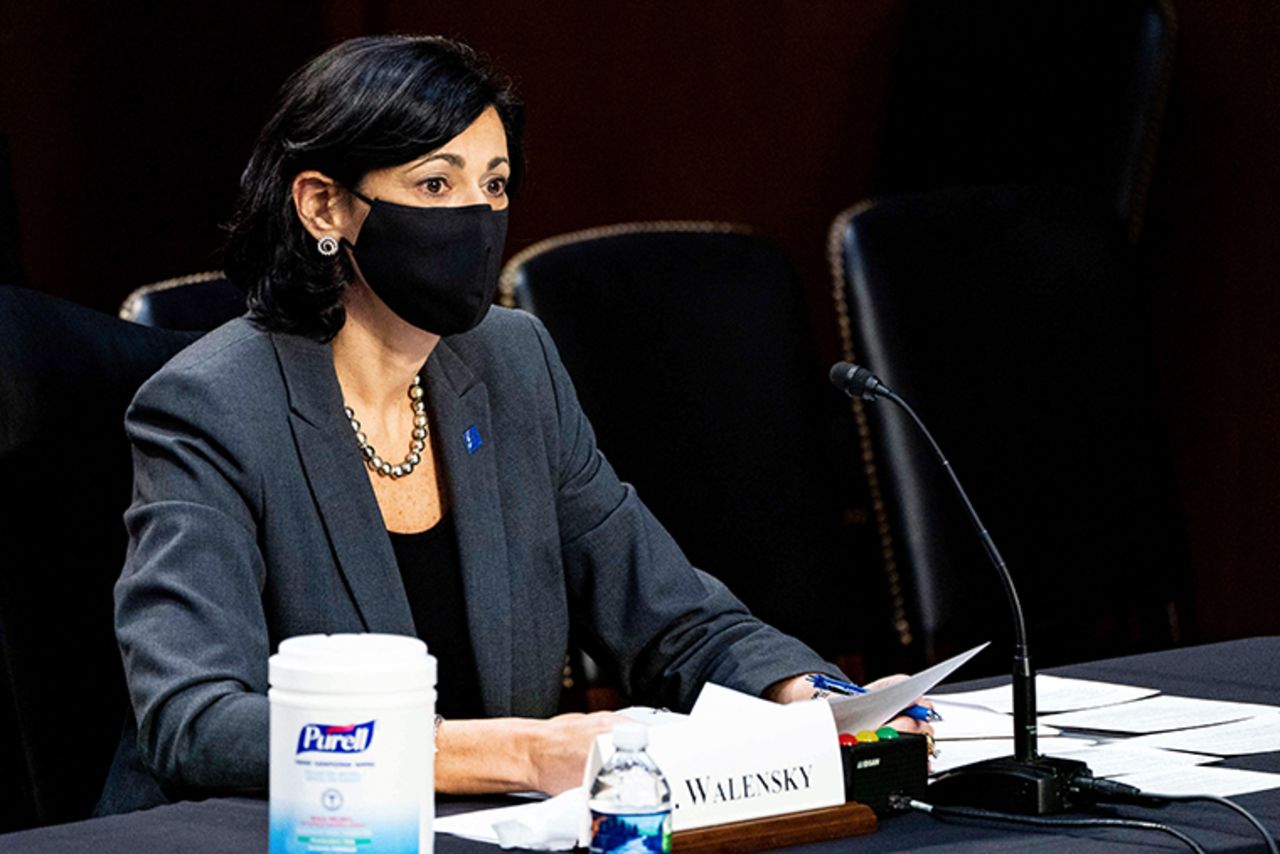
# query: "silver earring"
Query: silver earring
327,246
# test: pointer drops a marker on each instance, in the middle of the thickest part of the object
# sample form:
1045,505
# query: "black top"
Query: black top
432,576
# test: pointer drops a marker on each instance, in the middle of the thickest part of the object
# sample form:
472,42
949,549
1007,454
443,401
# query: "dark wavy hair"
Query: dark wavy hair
366,104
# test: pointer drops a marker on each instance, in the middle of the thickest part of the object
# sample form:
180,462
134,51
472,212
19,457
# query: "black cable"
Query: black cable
1231,805
901,802
1117,792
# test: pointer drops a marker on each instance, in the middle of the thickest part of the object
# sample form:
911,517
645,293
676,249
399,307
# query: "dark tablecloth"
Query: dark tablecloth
1246,670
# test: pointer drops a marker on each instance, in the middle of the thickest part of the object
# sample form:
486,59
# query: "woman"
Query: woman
368,237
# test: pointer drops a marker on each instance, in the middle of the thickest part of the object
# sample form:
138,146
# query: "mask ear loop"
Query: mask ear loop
362,197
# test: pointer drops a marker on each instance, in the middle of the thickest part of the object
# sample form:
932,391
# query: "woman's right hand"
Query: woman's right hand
517,754
559,746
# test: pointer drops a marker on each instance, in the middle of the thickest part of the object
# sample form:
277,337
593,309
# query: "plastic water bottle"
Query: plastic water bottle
630,799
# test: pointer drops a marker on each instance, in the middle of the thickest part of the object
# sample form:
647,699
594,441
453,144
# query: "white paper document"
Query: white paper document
718,703
1202,780
1124,757
1055,694
963,721
875,708
1259,734
653,717
1158,714
953,754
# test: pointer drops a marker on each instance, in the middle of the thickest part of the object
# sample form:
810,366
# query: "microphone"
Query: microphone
856,381
1025,783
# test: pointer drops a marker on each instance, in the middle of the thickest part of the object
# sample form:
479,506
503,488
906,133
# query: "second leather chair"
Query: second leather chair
690,346
1012,319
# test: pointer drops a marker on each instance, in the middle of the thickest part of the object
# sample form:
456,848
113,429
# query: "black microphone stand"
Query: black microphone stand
1025,783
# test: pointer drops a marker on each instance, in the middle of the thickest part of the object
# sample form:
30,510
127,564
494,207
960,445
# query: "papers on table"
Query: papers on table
1202,780
1259,734
953,754
1157,714
963,721
1054,694
875,708
1122,757
1175,737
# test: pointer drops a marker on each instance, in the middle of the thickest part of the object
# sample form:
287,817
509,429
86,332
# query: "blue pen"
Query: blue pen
839,686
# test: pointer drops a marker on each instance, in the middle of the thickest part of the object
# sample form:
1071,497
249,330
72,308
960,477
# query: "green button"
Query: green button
887,733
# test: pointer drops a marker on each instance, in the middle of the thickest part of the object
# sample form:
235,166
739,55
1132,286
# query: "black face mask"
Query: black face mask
437,268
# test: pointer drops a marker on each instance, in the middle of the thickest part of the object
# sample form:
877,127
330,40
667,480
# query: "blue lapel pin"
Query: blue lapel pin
472,440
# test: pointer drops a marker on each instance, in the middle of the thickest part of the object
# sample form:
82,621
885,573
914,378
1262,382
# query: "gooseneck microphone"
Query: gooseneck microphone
1027,782
856,381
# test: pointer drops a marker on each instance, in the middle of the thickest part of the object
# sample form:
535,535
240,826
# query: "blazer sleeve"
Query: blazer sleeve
634,596
189,615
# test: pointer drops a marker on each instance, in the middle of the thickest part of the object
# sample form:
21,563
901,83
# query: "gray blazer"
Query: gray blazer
253,520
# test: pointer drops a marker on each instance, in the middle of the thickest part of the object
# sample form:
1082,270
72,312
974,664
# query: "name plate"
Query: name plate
738,757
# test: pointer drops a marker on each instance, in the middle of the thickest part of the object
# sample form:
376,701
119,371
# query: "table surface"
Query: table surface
1245,670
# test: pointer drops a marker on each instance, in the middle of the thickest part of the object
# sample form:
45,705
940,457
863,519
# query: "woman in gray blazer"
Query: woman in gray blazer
373,450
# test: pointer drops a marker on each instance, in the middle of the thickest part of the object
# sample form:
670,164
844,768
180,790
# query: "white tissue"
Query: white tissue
549,825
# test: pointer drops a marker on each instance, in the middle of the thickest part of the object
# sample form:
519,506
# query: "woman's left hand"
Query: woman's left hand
790,690
902,723
799,688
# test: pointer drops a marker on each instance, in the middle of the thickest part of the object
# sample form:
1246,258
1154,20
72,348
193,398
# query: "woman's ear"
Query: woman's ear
323,206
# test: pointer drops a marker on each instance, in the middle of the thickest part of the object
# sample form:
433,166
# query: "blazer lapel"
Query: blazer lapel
464,440
340,486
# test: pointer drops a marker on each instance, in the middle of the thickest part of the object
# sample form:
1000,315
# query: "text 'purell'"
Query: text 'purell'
335,738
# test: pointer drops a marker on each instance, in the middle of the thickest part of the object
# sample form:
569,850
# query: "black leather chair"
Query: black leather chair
1068,92
66,375
10,266
198,302
690,347
1014,322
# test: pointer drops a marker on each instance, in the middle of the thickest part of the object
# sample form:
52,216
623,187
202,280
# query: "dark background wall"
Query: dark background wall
128,127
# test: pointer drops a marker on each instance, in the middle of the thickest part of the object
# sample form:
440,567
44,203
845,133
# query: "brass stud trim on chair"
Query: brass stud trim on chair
129,308
835,258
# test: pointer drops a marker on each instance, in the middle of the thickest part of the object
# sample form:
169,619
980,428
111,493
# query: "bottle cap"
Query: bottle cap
630,737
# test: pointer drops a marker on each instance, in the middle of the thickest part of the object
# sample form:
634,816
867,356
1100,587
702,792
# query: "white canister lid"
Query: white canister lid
352,664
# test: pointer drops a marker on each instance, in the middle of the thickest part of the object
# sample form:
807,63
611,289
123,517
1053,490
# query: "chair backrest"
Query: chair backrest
1056,91
198,302
66,375
1013,321
690,347
10,264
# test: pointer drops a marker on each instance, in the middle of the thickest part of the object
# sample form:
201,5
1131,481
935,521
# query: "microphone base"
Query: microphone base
1038,786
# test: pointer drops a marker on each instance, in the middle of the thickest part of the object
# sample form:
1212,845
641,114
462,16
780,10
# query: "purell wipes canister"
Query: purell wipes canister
352,761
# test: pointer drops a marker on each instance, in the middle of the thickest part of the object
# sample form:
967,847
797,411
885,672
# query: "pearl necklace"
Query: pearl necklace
416,447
